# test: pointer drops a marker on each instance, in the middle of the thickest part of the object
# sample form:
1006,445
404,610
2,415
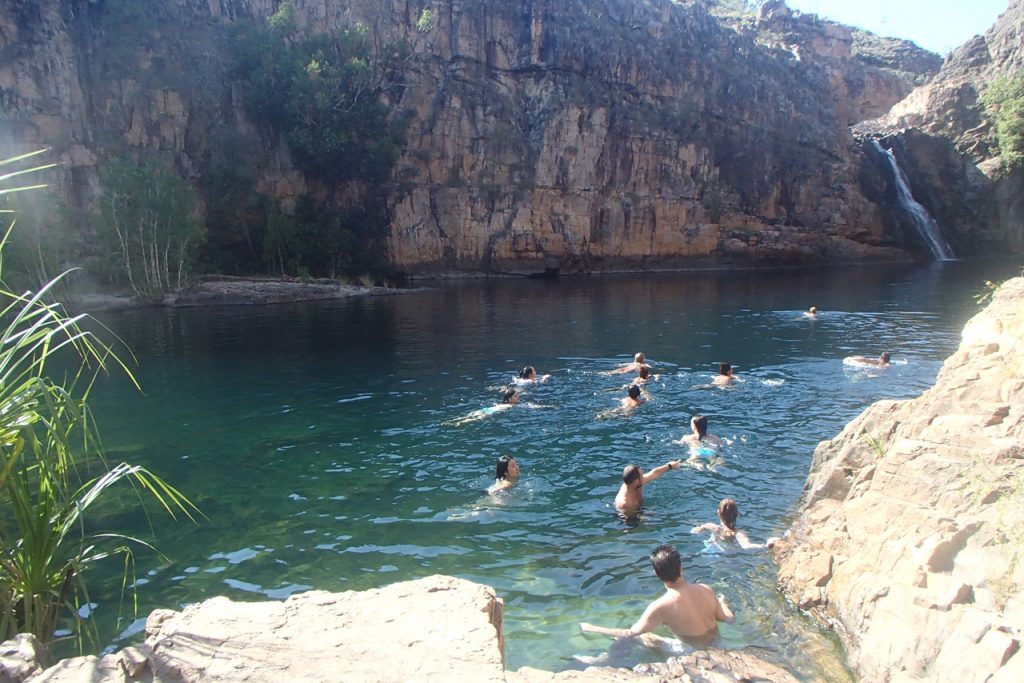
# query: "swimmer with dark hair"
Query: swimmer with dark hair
630,497
724,375
632,399
699,433
506,474
880,362
508,399
728,513
528,375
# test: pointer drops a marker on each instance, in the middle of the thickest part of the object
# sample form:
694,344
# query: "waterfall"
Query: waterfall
919,216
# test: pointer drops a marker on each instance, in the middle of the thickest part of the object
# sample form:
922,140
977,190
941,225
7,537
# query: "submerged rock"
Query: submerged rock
909,537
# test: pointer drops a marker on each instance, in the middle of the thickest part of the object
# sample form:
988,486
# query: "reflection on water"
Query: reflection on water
313,438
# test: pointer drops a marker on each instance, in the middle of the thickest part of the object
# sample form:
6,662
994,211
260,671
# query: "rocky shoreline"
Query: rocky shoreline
909,535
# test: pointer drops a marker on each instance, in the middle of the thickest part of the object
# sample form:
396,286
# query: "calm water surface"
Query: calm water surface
313,438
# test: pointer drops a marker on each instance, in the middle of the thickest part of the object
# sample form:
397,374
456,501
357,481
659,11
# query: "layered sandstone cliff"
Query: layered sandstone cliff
909,535
592,135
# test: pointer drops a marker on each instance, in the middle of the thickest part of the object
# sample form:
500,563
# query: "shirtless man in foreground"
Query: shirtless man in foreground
630,497
690,610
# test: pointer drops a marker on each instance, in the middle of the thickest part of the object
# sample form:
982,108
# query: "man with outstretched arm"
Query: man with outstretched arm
690,610
630,497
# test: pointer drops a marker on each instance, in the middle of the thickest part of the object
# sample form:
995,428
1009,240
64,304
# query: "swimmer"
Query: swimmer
506,474
881,362
724,375
630,497
642,375
690,610
528,375
811,312
632,399
639,361
728,512
508,399
699,435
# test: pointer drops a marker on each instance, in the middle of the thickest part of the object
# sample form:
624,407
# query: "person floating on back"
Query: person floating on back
724,375
506,474
691,611
728,512
508,399
880,362
630,497
639,361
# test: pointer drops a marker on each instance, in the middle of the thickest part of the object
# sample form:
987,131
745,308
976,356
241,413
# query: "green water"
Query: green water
312,437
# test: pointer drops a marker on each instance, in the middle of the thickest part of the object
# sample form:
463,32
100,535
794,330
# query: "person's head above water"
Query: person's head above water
631,473
639,358
529,372
884,357
666,563
728,511
699,423
634,392
724,369
507,466
644,372
510,396
812,310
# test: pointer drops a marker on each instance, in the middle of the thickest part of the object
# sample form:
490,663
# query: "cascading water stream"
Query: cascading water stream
926,226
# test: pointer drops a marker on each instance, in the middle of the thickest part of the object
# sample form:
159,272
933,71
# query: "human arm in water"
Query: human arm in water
722,611
647,622
660,470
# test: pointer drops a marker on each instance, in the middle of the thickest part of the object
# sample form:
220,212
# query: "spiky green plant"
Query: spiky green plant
52,471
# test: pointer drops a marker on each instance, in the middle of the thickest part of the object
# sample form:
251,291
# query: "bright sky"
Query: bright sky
936,25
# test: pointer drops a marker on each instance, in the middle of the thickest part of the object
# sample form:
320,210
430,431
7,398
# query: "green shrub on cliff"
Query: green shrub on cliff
1004,105
323,92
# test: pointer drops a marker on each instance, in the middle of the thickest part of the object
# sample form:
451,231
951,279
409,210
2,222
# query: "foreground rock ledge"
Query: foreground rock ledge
911,528
435,629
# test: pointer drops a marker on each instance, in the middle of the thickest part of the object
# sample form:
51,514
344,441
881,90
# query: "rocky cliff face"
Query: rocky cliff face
947,146
909,536
592,135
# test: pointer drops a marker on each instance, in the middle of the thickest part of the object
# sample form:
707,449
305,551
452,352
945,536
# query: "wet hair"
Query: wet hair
724,368
644,372
885,356
728,511
630,474
634,392
813,309
639,357
501,471
507,396
527,371
666,563
701,423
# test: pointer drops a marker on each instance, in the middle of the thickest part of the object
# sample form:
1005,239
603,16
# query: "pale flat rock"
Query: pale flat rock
910,535
436,629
